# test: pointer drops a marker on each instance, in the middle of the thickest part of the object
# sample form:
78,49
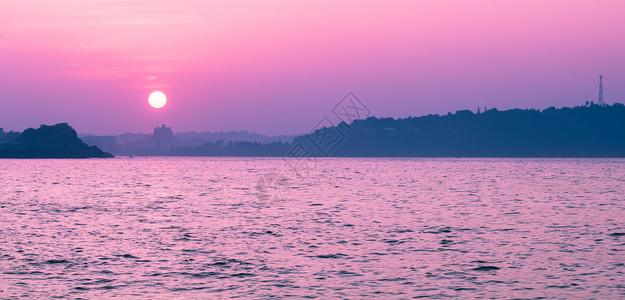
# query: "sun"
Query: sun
157,99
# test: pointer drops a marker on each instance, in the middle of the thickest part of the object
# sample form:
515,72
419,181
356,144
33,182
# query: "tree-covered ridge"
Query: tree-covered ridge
579,131
583,131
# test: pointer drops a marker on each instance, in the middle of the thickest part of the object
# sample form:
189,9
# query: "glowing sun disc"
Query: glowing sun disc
157,99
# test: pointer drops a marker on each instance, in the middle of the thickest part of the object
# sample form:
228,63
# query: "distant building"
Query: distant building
163,138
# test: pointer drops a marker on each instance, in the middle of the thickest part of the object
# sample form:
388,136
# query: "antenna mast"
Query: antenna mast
600,90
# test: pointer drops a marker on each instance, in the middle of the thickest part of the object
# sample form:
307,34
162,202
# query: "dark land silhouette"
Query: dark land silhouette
57,141
583,131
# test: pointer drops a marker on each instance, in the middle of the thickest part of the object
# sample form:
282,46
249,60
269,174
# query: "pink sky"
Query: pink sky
278,67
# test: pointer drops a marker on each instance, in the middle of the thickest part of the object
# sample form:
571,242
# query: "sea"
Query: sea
328,228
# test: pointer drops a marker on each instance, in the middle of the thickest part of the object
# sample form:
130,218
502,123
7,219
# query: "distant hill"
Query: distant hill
582,131
142,143
242,136
58,141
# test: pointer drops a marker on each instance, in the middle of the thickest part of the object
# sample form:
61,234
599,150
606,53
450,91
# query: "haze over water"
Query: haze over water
356,228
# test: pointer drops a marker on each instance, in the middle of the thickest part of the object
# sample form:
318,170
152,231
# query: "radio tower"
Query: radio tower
600,90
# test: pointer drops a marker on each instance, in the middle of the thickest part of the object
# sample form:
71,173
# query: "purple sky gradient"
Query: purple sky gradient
278,67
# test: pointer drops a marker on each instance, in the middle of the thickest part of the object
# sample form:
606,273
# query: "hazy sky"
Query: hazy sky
278,67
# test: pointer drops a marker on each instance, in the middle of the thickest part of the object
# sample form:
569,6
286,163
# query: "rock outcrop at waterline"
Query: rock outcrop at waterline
57,141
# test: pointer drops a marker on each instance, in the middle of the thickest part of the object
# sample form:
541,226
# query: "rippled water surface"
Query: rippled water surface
353,228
